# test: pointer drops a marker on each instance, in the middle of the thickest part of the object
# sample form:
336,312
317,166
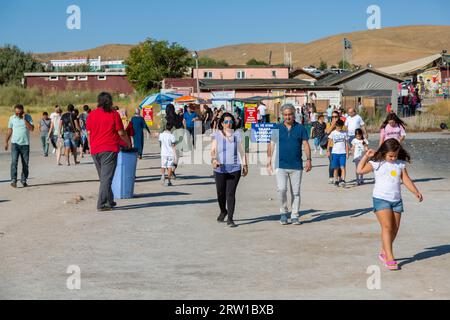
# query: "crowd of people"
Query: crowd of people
102,133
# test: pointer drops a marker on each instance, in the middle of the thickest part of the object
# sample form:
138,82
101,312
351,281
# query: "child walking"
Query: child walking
168,154
389,167
339,152
317,133
359,147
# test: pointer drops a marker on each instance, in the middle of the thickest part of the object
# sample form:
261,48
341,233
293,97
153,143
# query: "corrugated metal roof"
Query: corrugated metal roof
337,79
253,83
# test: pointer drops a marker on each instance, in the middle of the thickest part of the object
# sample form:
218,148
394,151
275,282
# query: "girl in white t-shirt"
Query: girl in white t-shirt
359,148
389,167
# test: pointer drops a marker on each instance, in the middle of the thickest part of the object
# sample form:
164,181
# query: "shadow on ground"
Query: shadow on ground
160,194
339,214
427,254
274,217
427,180
61,183
164,204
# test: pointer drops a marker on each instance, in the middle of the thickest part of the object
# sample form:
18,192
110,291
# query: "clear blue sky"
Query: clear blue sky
40,26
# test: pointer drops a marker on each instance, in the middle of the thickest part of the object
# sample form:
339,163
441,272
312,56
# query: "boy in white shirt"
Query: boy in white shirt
168,154
262,113
339,153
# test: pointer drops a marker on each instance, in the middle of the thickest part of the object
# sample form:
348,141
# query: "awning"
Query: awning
259,98
159,98
411,66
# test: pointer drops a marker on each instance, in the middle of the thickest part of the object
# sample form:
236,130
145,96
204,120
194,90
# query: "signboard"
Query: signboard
251,114
123,116
147,113
334,97
262,132
222,98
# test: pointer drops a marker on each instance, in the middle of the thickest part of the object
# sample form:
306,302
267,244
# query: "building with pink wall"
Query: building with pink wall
241,72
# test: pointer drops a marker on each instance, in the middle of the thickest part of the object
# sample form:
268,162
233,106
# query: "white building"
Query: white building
95,64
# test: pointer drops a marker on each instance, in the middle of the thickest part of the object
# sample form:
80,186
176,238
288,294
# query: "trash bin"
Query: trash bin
125,175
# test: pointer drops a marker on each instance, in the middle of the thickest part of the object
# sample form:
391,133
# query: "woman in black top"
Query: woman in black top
70,128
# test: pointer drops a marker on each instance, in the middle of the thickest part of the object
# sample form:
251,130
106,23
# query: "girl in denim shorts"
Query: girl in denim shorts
389,167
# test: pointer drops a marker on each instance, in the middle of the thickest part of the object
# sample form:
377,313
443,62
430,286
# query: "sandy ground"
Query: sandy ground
166,244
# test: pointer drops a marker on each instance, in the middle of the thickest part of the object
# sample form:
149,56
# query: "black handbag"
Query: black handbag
324,142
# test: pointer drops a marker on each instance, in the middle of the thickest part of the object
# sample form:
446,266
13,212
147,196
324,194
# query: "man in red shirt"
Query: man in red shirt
105,131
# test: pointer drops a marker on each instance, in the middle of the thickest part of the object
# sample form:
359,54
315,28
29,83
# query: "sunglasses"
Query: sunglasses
335,117
228,122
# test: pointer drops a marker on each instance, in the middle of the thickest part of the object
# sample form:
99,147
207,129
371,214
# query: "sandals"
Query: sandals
392,265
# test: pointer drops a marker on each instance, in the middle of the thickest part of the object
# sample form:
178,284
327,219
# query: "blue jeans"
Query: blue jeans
24,153
44,142
317,142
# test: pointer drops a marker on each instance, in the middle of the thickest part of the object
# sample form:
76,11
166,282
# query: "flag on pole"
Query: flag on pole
347,44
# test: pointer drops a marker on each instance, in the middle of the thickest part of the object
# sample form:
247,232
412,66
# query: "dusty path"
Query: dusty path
166,243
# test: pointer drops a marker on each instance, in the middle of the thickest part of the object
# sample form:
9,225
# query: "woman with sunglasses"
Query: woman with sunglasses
331,126
226,155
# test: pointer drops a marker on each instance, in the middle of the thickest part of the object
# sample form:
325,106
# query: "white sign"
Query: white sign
222,98
222,95
334,97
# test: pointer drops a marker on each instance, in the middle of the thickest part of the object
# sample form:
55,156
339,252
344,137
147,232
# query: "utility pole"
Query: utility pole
195,56
447,78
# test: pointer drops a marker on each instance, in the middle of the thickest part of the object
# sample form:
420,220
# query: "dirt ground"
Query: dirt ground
166,244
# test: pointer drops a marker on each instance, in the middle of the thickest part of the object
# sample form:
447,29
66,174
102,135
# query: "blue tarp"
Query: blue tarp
159,98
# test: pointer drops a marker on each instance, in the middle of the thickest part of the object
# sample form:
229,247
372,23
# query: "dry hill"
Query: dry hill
381,48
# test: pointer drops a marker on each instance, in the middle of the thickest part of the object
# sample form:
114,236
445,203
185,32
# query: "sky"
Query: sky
40,26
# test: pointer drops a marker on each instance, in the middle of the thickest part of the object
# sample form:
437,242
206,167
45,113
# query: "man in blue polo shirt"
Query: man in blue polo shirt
288,138
19,127
189,119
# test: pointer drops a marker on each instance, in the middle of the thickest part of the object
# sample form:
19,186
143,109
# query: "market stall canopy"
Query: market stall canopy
159,98
259,98
189,99
411,66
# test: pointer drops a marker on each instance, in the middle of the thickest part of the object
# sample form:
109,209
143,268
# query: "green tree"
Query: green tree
209,62
13,64
151,61
344,64
254,62
323,65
